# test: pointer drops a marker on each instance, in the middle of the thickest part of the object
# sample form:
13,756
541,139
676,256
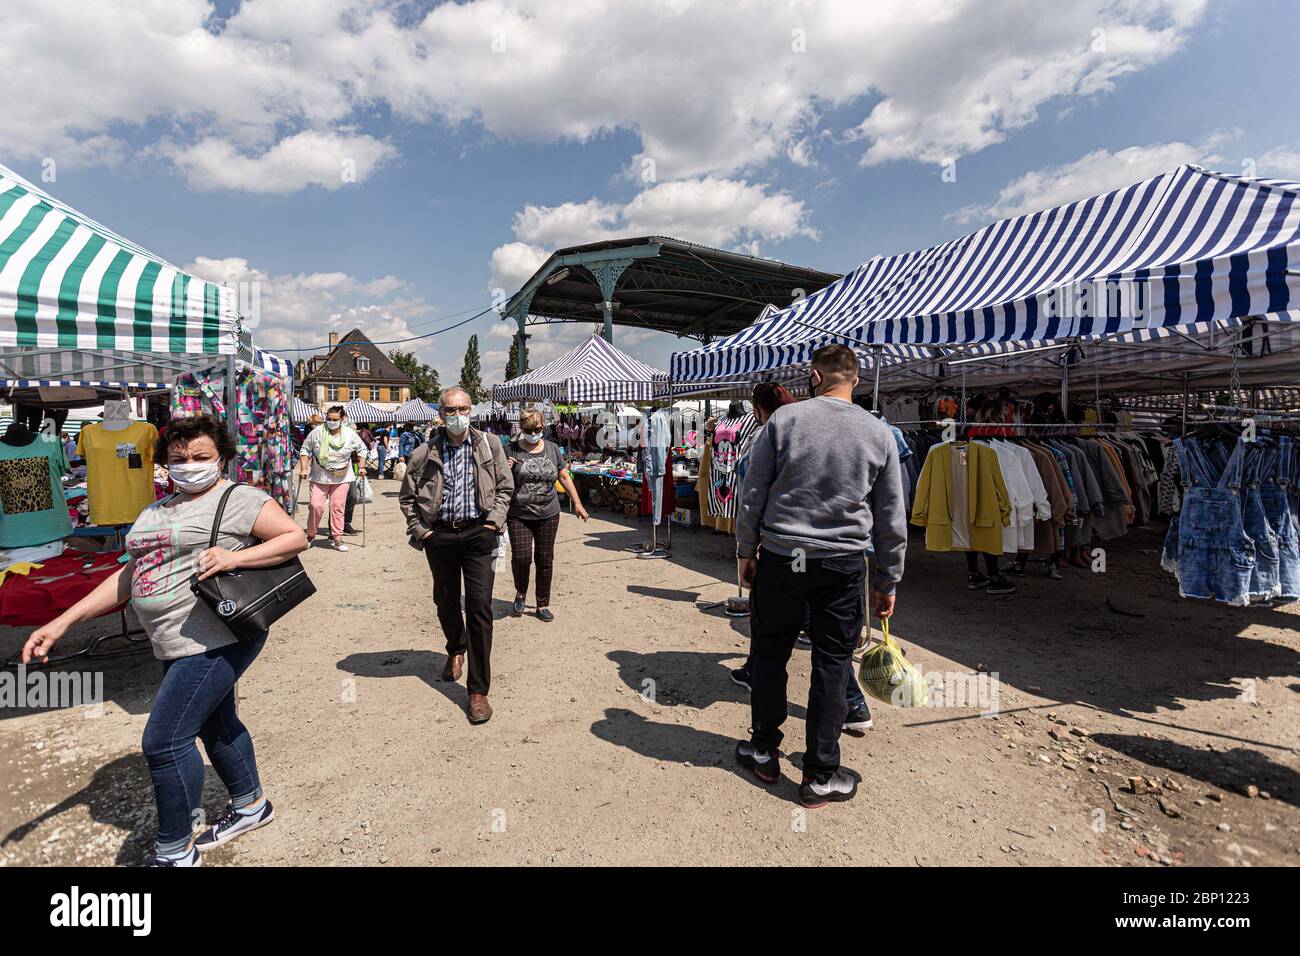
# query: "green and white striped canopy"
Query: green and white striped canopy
68,282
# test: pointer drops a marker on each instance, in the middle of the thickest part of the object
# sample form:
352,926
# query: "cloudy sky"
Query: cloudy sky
391,165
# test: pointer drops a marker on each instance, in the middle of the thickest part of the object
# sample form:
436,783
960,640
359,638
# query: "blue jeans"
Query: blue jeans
197,699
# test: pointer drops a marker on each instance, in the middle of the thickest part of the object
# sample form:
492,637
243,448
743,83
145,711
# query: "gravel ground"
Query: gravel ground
614,728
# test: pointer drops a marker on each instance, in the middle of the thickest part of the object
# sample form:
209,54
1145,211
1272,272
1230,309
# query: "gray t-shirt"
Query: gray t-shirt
164,542
536,473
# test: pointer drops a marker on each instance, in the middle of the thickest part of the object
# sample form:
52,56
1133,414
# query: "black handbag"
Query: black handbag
250,600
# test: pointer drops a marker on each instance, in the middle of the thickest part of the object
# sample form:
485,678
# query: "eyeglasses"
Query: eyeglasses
456,409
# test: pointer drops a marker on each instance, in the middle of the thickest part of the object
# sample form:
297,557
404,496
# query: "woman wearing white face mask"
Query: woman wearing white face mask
534,515
326,458
201,657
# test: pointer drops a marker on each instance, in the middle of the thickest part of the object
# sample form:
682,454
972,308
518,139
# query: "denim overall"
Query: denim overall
1275,491
1215,556
1262,460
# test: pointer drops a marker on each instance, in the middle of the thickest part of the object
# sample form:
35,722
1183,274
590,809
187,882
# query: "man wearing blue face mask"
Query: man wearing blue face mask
455,496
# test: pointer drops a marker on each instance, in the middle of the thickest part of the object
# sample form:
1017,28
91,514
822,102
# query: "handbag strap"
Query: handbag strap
221,510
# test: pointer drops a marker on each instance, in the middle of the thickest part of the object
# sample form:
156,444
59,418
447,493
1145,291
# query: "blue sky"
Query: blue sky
484,135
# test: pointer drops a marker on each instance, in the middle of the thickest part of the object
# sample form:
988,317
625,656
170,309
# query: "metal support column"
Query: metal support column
607,274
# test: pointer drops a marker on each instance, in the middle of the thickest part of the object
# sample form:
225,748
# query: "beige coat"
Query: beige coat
421,494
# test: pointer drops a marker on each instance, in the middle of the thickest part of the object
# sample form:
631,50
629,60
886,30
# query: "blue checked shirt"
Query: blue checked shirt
459,501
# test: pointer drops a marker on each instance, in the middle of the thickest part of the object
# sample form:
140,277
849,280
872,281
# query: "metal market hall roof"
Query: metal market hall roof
663,284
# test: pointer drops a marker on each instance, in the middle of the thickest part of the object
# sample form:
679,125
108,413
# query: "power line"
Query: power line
413,338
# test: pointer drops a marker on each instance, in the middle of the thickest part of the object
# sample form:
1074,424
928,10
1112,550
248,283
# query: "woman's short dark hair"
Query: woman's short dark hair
335,408
182,431
769,397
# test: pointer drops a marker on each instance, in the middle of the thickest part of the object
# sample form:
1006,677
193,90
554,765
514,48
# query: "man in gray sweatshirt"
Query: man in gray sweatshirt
823,489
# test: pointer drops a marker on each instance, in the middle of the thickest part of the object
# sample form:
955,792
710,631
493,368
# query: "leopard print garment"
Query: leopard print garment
25,486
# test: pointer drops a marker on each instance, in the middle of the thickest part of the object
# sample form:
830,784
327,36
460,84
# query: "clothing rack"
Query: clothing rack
1256,413
1114,426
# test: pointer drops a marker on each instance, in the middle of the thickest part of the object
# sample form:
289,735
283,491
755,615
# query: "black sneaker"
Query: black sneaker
1017,569
1054,572
858,721
544,614
837,787
232,824
518,606
189,859
348,529
741,676
1000,585
976,581
766,766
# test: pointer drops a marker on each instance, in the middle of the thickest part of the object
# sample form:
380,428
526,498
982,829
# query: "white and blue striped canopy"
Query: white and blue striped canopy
416,410
270,362
363,413
1186,247
68,282
593,372
300,411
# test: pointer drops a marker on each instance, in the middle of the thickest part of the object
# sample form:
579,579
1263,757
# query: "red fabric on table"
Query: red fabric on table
670,496
25,601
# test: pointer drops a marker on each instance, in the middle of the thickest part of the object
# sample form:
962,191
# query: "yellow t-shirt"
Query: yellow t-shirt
119,471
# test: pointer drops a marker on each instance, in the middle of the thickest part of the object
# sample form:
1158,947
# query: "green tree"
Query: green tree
471,372
513,370
426,385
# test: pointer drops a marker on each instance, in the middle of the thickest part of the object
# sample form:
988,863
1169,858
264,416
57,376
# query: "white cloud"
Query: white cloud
708,210
1279,163
708,88
299,311
513,263
310,158
1096,172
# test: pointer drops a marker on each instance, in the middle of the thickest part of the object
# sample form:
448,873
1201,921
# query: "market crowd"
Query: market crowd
819,494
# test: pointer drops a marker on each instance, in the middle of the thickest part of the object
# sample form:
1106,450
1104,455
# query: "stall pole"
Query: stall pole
1065,387
232,406
875,389
1185,397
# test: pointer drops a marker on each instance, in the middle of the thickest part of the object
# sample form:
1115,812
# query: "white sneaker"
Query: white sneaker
340,546
232,824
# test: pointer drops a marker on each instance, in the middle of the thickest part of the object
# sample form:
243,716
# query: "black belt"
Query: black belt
458,525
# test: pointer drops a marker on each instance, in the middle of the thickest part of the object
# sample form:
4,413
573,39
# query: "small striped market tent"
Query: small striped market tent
67,282
595,371
300,411
363,413
416,410
1152,261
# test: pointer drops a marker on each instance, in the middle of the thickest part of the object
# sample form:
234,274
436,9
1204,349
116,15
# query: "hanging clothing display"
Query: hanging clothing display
1234,538
119,470
655,466
729,435
961,499
32,506
263,445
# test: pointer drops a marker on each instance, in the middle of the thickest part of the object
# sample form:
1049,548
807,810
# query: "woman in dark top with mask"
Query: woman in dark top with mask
534,515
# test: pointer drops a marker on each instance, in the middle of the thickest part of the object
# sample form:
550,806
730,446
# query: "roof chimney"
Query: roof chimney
334,339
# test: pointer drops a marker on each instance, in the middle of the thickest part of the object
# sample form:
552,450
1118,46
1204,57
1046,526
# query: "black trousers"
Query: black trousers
832,590
465,555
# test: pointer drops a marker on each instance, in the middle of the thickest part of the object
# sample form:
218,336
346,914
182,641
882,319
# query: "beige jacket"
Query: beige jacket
421,494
